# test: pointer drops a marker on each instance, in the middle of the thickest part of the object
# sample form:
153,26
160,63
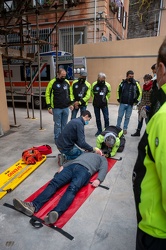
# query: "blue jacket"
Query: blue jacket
72,134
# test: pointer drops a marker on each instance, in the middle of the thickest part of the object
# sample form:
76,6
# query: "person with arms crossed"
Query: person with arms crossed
81,93
58,100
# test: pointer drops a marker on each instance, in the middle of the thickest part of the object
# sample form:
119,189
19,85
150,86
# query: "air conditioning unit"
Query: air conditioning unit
8,5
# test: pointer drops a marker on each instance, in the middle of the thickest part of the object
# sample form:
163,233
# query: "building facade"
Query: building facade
146,18
65,23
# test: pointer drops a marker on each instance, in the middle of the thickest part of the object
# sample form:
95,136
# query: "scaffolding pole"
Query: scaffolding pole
38,58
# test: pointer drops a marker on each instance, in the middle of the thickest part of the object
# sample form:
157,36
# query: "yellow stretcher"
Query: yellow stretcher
15,174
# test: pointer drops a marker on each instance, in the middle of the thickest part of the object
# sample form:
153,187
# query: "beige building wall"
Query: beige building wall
117,57
4,120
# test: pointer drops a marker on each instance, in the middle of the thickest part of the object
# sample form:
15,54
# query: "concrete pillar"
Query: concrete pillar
4,119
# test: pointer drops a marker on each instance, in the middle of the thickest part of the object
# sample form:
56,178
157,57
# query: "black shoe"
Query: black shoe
137,133
98,133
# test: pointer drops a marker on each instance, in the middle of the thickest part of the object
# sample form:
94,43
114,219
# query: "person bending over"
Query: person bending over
71,142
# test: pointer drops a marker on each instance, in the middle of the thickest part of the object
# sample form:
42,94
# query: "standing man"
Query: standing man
71,141
58,99
149,174
81,93
78,174
128,94
101,91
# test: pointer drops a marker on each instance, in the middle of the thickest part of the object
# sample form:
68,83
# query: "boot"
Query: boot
137,133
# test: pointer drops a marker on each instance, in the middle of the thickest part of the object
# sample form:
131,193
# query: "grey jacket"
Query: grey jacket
93,162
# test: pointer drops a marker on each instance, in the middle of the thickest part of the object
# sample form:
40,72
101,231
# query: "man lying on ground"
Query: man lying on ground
78,173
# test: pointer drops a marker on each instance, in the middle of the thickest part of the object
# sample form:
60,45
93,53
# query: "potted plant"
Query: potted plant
114,6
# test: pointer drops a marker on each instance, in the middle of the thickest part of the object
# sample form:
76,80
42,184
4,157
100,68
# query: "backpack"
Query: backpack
34,154
31,156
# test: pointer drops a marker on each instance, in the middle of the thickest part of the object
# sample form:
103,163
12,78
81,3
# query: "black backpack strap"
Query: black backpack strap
35,223
38,223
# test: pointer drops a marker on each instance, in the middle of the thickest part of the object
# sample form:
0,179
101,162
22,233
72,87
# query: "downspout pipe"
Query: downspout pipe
95,23
160,14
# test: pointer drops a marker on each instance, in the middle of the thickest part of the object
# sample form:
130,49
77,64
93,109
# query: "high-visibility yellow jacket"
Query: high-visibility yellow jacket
149,175
81,92
100,94
58,94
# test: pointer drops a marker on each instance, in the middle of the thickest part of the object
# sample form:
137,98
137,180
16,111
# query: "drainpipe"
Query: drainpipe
95,24
160,14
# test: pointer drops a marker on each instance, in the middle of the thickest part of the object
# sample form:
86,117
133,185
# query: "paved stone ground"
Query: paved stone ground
107,218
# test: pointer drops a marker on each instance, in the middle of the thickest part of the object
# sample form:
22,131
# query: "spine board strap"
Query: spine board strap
38,223
102,186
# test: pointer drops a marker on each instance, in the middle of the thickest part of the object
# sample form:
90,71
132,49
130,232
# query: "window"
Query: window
69,36
45,74
13,39
41,2
124,19
120,14
43,35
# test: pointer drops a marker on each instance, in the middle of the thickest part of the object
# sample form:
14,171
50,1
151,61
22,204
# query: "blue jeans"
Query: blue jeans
72,153
75,111
127,110
60,118
140,123
76,174
98,118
